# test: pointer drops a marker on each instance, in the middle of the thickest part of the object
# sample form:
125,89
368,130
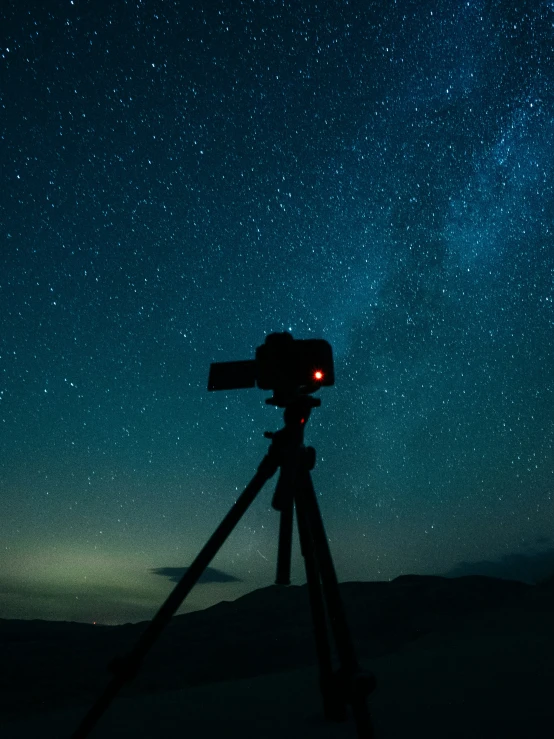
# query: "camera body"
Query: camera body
282,364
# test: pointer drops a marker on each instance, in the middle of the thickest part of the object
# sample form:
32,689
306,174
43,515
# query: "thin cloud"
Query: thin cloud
210,574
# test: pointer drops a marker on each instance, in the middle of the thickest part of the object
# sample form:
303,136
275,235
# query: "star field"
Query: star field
180,180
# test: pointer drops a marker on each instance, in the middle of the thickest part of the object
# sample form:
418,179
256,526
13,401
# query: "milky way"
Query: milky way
178,182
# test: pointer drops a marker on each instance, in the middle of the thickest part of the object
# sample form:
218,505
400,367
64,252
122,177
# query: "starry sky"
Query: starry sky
178,180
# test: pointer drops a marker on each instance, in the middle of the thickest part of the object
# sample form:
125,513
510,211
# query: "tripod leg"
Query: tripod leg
333,708
352,683
285,542
283,502
127,667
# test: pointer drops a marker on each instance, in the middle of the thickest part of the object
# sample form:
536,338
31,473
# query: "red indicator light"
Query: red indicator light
302,420
318,375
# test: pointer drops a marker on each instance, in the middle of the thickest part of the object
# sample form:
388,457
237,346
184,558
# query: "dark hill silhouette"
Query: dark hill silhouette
50,665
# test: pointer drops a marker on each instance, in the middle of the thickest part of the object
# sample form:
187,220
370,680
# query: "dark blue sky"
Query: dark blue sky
179,180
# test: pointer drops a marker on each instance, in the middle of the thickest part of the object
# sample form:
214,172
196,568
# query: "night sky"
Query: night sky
179,180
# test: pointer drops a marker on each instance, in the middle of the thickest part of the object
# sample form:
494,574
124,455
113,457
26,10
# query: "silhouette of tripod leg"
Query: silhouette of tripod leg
285,539
334,708
125,668
353,685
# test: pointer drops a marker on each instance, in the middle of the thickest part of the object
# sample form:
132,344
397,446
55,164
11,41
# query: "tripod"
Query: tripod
347,685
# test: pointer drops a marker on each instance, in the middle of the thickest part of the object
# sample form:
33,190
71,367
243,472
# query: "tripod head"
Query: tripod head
297,411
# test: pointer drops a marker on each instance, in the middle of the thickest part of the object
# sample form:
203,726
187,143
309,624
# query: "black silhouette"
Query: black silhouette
292,370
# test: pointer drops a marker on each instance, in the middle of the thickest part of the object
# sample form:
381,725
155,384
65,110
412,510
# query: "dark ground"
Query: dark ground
470,656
